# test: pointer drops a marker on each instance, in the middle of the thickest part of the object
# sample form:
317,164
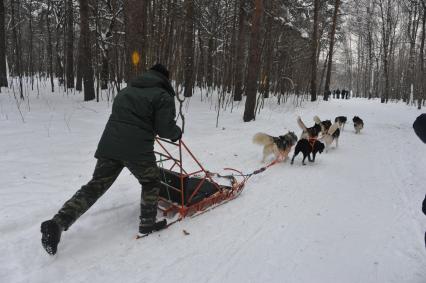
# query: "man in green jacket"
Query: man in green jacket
140,112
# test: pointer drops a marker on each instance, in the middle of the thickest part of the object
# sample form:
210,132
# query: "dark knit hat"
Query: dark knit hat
161,69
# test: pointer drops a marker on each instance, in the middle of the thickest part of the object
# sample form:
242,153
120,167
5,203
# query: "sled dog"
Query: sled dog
279,146
342,121
331,135
311,132
358,124
306,147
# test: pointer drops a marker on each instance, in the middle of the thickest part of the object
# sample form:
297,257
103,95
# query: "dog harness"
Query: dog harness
312,142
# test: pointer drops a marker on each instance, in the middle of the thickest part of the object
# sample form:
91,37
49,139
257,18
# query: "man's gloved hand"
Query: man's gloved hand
179,135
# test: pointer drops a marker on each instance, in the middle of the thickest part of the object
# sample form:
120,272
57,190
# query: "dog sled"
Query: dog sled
187,188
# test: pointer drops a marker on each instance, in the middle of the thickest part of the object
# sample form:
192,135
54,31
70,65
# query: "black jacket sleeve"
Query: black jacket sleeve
165,124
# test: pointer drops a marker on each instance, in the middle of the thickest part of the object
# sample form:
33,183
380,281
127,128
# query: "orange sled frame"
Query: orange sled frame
186,206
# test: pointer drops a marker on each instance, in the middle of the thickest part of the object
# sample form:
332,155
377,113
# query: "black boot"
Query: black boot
50,236
156,227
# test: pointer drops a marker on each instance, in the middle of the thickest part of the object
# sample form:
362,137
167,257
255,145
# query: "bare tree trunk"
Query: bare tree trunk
323,72
79,82
189,48
239,66
31,45
160,33
134,15
169,31
370,10
385,12
49,44
59,60
3,70
106,69
16,30
314,48
413,24
229,79
253,64
201,64
330,51
86,55
209,75
269,49
69,44
422,59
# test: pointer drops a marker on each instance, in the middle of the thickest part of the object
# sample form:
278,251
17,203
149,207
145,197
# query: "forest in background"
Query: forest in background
236,48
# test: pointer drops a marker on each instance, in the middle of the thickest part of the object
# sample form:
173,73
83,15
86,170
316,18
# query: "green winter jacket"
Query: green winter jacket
140,112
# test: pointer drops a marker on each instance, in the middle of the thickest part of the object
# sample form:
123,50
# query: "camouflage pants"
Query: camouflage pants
106,172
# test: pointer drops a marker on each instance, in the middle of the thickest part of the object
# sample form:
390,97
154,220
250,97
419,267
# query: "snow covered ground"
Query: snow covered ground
352,216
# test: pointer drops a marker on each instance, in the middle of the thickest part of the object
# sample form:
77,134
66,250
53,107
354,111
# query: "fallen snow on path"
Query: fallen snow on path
352,216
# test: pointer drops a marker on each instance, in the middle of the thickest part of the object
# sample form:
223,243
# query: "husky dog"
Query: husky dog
331,135
342,121
325,125
358,124
307,147
312,132
279,146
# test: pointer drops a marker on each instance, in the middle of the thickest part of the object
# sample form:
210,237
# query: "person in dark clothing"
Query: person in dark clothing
140,112
334,93
419,126
338,93
327,95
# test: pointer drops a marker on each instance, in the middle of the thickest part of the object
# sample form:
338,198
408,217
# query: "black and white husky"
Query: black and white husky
341,120
358,124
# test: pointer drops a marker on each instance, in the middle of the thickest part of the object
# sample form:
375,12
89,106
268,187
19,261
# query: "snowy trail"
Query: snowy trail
352,216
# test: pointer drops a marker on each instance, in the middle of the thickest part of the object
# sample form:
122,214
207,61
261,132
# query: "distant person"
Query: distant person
334,93
420,129
140,112
338,93
327,94
348,94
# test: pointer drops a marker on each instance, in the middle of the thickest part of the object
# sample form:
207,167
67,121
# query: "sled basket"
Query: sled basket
188,192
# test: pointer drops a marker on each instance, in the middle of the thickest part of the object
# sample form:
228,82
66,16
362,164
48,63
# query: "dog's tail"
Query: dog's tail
317,120
333,128
262,139
301,124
